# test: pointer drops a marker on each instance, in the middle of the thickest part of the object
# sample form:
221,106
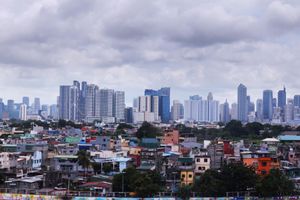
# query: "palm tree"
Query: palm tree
84,160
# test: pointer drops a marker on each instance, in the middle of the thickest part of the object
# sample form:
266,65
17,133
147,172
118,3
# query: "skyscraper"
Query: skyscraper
23,112
11,108
267,105
104,103
281,98
224,112
164,102
64,105
90,101
297,100
119,106
36,105
234,111
68,102
242,103
25,100
177,110
259,110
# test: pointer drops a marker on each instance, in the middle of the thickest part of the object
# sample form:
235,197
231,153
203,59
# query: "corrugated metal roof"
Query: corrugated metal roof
289,138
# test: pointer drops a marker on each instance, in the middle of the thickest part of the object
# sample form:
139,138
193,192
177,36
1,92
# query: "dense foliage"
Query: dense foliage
148,130
142,184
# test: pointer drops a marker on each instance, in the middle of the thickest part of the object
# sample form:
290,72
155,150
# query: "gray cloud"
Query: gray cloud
192,46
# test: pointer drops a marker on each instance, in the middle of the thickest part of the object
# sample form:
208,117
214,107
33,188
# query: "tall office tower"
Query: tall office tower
281,97
129,115
25,100
289,111
250,105
45,109
104,103
212,111
234,111
267,105
177,110
147,109
296,114
76,84
36,105
274,103
68,102
242,103
297,100
259,110
23,112
64,105
82,95
11,108
193,108
135,104
164,102
224,112
2,108
119,106
90,101
54,111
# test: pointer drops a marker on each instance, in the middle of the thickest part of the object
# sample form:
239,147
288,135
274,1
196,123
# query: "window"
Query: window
190,176
263,172
183,176
205,159
199,168
198,159
264,164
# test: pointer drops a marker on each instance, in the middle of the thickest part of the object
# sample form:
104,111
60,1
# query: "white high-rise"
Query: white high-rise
196,109
23,112
177,110
147,109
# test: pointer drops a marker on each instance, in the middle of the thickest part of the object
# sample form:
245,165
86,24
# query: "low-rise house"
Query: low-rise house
202,163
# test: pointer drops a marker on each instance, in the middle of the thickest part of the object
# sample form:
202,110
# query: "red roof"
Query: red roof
101,184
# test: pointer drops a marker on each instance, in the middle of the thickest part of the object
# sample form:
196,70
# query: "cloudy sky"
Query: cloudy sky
192,46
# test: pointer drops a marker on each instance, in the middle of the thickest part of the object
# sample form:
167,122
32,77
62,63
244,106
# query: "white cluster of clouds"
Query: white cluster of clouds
192,46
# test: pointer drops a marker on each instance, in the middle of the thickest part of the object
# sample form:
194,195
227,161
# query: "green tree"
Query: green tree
185,192
235,128
238,177
210,184
275,184
84,160
148,130
145,187
107,167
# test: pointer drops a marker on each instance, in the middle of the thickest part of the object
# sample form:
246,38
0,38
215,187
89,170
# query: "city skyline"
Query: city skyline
43,47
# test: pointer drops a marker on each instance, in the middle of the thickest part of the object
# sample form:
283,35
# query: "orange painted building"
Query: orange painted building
170,137
261,161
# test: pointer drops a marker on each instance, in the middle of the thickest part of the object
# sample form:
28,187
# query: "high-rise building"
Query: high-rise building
119,106
177,110
11,108
2,108
129,115
274,103
68,103
281,98
164,102
242,103
196,109
36,105
90,101
45,109
147,109
289,111
259,110
224,112
104,103
54,111
267,105
25,100
297,100
23,112
234,111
